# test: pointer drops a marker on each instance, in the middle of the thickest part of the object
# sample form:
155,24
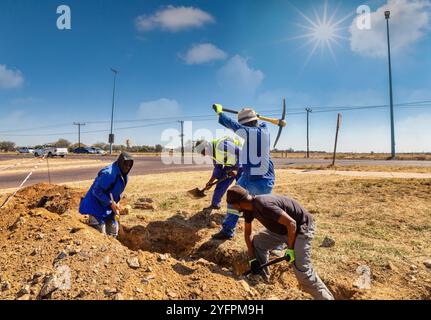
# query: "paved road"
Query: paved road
149,165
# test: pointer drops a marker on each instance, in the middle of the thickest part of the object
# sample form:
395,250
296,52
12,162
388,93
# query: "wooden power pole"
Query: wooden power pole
336,138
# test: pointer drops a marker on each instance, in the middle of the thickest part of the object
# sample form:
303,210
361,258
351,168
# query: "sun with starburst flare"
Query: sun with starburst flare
321,32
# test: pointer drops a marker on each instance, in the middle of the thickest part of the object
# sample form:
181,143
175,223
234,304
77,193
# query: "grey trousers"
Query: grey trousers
309,281
110,227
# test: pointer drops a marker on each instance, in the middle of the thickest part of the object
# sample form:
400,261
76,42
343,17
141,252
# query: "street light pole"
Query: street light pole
111,136
182,140
393,153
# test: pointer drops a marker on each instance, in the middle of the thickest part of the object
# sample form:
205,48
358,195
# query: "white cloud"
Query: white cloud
408,24
10,79
203,53
158,108
238,77
174,19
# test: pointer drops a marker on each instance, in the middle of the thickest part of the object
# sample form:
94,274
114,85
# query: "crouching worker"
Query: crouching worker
225,155
111,180
286,222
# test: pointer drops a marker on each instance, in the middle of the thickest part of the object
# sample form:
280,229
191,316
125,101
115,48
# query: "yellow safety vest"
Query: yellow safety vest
224,157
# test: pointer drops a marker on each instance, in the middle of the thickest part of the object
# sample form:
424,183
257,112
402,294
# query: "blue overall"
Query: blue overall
97,202
258,176
220,172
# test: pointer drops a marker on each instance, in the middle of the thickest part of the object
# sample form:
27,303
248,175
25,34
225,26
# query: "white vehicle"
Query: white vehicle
51,152
99,151
25,150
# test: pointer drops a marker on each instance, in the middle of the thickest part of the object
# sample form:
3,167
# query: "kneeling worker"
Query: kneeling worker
286,222
110,183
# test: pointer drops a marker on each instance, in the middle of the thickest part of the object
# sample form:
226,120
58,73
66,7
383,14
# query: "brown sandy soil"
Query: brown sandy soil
382,223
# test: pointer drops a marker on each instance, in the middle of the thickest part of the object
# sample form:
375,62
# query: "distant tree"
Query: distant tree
290,150
117,148
101,145
7,146
62,143
159,148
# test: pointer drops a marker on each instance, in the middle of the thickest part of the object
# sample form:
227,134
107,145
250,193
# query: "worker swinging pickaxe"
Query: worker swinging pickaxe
281,123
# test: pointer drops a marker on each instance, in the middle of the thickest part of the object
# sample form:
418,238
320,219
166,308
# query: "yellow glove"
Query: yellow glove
218,108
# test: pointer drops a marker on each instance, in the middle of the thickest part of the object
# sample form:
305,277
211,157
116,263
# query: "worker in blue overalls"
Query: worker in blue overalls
258,176
101,202
225,154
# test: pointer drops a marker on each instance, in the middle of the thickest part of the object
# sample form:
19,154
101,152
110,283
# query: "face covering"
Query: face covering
125,162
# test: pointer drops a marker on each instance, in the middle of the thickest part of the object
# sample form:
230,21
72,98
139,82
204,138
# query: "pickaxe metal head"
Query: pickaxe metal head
282,123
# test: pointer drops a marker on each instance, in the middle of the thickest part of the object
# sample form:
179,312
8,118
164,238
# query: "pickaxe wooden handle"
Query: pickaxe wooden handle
117,213
277,122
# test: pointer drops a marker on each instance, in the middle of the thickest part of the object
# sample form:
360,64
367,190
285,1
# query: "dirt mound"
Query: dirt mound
54,198
48,252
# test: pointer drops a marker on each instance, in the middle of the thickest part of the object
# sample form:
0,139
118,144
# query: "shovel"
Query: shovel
199,194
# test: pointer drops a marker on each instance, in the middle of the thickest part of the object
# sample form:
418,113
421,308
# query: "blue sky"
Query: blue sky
177,58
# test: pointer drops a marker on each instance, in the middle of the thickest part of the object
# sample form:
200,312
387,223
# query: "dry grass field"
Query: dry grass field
353,156
363,168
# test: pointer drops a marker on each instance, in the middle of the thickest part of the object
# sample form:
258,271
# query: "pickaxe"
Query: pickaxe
281,123
117,213
270,263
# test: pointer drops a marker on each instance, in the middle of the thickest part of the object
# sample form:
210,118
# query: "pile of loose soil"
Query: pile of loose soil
49,252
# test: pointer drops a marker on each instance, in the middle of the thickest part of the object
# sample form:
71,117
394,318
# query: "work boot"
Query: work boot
221,236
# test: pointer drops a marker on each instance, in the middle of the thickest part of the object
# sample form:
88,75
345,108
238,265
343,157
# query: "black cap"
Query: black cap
236,194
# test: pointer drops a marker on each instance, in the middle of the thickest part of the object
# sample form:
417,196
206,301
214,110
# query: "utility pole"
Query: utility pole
111,136
182,139
79,124
393,153
308,130
336,138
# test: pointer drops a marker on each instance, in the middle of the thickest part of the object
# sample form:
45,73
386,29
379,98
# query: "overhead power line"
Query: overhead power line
210,117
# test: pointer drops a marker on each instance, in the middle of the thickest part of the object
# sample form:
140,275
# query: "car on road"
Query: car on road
84,150
99,151
51,152
25,150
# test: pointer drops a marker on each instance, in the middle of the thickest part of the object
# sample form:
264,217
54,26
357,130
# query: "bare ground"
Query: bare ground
382,223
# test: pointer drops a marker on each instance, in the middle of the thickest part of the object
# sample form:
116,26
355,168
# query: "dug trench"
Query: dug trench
186,239
182,242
